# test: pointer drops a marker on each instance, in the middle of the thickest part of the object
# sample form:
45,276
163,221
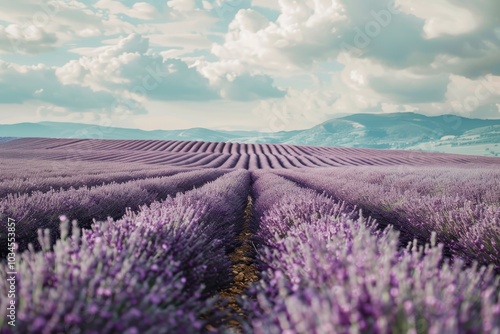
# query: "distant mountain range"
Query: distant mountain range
447,133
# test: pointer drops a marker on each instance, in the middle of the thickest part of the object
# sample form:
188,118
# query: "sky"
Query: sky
245,64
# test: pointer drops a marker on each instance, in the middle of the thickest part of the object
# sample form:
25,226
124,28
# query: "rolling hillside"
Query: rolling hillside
198,154
449,134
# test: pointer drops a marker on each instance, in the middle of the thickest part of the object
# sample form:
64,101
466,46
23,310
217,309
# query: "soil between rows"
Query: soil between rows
244,273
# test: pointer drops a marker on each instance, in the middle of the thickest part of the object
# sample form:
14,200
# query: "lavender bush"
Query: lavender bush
461,205
326,271
149,272
30,183
42,210
36,166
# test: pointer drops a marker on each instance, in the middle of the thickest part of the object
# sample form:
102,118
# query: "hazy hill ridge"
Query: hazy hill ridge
446,133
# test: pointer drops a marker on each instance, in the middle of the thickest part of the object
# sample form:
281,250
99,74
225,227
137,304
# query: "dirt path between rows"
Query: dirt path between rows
244,273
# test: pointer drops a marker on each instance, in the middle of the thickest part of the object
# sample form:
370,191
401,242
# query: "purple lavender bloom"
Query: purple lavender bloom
328,270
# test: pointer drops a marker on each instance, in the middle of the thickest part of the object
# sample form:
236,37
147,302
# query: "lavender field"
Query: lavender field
117,236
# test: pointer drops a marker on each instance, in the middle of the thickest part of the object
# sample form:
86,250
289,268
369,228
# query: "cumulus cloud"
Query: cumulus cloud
442,17
130,67
398,34
121,78
236,82
43,25
300,34
30,39
19,84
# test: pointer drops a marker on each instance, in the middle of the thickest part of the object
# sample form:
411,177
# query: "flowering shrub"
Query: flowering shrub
30,183
149,272
41,210
461,205
328,270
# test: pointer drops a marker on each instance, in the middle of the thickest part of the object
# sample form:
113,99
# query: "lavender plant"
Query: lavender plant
151,271
42,210
461,205
29,183
326,271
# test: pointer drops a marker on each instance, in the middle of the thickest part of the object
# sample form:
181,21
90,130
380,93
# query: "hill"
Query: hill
447,133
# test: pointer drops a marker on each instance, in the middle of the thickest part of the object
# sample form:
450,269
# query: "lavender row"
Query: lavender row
29,184
43,209
150,272
326,269
15,168
461,205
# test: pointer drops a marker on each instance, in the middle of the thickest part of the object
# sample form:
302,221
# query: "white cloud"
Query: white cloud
302,32
139,10
19,84
310,32
35,27
144,10
465,95
70,20
182,5
441,17
266,4
190,34
25,39
236,82
129,66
